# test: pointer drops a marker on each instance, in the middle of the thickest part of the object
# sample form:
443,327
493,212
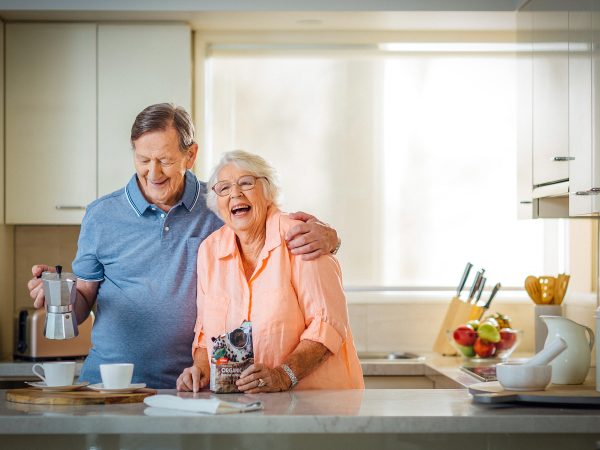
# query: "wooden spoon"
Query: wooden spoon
560,289
532,286
547,287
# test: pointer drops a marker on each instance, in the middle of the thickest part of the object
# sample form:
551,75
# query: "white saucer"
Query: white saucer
131,388
41,385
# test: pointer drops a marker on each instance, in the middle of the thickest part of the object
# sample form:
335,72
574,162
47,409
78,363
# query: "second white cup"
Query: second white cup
116,376
56,373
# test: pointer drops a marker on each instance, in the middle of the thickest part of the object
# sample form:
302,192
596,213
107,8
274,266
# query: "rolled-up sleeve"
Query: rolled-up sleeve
86,265
318,284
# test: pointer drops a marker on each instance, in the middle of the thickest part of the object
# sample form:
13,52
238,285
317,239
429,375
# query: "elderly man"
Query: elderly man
137,252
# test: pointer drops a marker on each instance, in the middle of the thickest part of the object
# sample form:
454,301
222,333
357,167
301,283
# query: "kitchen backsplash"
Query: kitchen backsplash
411,323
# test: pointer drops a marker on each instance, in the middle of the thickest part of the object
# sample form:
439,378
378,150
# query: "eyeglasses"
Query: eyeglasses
246,182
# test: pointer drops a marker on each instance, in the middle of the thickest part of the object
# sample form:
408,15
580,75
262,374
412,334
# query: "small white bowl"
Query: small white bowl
518,377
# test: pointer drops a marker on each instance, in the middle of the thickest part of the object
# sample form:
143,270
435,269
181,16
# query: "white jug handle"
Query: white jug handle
37,373
591,333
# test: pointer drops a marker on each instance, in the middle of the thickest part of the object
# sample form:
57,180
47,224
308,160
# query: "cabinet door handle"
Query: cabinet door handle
70,207
563,158
526,202
592,191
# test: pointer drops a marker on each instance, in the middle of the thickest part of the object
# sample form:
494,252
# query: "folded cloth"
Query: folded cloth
200,405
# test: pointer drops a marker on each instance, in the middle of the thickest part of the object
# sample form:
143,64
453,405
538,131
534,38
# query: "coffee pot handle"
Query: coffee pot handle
591,333
37,373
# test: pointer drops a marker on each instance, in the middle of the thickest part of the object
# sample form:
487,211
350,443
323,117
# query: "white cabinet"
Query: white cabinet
138,65
72,94
50,122
580,113
550,97
525,208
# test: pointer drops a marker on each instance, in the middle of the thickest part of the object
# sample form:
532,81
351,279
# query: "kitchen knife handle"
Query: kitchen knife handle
463,280
492,295
476,284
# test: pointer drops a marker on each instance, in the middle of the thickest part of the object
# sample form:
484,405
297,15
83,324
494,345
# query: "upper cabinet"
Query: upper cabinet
580,113
50,118
565,107
138,65
525,116
550,80
72,94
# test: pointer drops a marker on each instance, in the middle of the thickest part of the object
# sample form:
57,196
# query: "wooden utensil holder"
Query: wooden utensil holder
458,313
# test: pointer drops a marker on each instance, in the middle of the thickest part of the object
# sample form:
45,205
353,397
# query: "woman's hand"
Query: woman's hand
193,379
312,238
260,378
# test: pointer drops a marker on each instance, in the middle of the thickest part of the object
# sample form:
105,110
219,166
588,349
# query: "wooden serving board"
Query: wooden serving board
494,393
79,397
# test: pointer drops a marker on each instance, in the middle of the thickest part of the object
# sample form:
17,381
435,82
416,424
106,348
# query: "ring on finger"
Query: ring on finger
261,383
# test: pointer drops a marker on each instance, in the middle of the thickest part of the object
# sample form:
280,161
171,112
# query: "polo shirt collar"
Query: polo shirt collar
228,245
191,194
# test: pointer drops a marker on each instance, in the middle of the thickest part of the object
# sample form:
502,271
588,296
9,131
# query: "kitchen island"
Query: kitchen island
444,418
377,418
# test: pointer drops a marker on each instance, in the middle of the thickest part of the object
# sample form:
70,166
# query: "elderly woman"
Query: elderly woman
298,311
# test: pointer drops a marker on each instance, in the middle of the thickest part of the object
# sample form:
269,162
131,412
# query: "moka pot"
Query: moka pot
60,295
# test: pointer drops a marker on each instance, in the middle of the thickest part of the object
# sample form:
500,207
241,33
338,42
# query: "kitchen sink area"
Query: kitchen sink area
402,370
390,356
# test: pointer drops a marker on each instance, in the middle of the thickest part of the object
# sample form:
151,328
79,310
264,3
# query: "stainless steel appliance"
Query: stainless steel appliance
31,344
60,294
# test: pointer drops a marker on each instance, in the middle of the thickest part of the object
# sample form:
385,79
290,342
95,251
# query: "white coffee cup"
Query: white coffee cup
116,376
59,373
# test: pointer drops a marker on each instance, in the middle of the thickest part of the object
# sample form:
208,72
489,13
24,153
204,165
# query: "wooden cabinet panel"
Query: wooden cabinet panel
138,65
50,122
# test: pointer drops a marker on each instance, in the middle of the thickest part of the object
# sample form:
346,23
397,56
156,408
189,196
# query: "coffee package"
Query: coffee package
232,353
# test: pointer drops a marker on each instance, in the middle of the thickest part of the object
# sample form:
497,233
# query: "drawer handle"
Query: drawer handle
592,191
526,202
70,207
563,158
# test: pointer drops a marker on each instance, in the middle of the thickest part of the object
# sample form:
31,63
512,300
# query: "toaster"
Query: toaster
31,344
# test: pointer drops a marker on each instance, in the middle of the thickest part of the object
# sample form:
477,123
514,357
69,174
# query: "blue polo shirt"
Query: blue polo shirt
145,261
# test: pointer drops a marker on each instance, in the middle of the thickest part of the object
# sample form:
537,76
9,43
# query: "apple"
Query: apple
473,324
464,335
466,350
488,332
483,348
508,337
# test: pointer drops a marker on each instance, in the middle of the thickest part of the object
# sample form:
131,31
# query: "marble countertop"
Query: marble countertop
368,411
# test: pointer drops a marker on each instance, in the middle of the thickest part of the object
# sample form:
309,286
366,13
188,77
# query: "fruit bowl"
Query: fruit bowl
501,350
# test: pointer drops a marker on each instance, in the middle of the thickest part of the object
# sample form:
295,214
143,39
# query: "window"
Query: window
411,156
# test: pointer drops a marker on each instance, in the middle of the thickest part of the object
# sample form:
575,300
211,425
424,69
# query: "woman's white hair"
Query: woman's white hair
256,165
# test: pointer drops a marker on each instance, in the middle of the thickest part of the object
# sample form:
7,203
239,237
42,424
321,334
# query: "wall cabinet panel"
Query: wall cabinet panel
72,94
138,65
50,122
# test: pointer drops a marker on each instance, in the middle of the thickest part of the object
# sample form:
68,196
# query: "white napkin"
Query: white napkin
200,405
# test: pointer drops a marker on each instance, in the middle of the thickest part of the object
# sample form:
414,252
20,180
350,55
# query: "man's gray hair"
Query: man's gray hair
255,165
159,117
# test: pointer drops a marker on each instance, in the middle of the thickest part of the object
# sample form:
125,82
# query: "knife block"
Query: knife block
458,313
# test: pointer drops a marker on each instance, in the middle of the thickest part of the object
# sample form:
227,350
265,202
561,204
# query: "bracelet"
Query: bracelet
290,374
337,247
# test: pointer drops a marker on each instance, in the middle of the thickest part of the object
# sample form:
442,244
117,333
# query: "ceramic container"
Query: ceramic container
518,377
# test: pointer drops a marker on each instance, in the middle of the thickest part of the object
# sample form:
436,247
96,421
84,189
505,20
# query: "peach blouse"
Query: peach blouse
287,299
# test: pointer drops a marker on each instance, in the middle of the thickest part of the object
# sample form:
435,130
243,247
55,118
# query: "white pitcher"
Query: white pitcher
572,365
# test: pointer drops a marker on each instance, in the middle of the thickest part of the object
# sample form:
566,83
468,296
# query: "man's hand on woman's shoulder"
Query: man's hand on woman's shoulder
312,238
